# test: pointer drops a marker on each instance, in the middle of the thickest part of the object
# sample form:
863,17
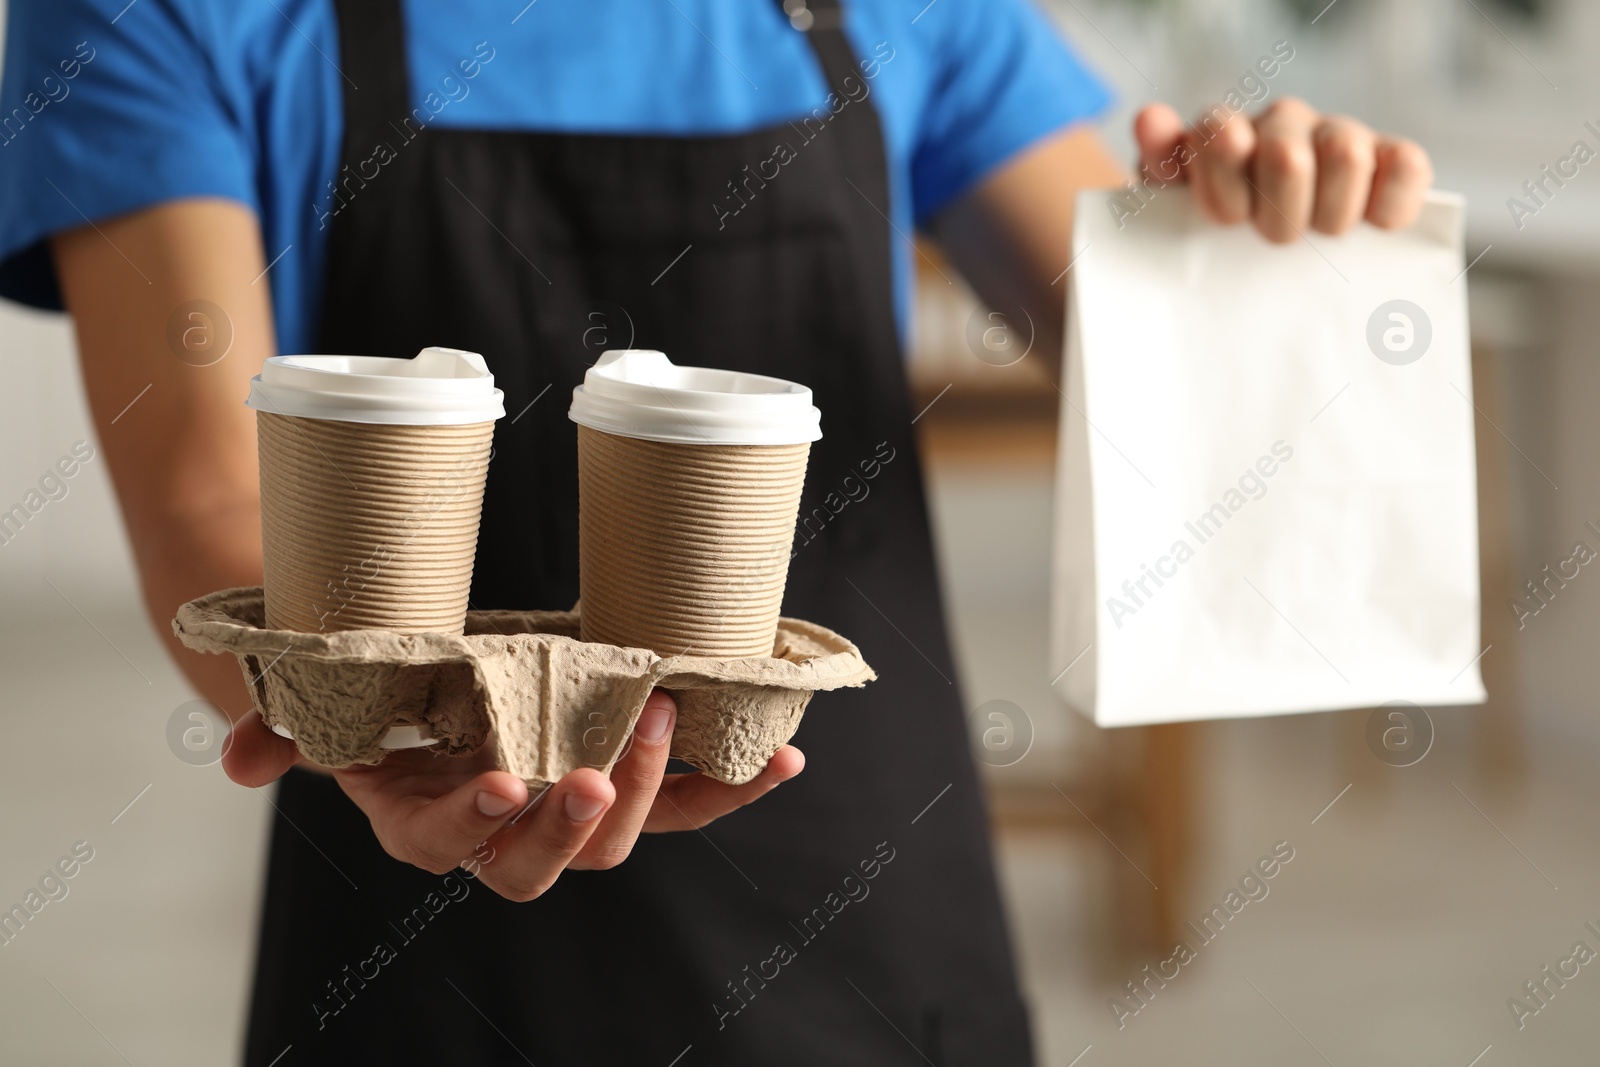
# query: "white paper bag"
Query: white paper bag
1266,496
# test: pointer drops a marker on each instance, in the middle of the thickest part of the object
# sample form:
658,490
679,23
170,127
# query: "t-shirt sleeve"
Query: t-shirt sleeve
106,107
1004,79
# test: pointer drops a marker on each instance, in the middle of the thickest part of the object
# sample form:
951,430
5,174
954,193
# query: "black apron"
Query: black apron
841,920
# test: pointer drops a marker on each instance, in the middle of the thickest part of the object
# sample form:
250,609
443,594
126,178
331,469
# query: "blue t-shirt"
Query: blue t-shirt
108,106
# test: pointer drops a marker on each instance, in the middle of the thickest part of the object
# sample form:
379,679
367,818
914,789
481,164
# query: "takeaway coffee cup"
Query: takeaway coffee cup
372,475
689,485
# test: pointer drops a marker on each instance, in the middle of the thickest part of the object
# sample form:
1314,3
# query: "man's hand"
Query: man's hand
1287,169
436,811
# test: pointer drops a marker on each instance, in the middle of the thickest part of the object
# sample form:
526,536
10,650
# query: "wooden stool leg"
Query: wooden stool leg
1167,787
1362,767
1501,757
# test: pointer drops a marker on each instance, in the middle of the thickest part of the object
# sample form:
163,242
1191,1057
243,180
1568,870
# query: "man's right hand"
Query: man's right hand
438,812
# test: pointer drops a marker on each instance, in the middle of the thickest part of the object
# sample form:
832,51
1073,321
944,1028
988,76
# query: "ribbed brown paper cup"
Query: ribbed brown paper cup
689,482
369,526
684,548
372,475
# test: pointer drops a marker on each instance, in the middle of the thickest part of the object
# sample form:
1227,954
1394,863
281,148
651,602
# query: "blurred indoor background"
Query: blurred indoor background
1419,900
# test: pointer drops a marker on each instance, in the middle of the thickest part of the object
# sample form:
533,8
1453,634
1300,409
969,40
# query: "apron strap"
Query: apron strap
377,96
822,21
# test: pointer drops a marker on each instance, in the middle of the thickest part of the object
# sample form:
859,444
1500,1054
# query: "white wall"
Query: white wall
77,541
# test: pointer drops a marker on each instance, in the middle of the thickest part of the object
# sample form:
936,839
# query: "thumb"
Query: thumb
254,756
1158,129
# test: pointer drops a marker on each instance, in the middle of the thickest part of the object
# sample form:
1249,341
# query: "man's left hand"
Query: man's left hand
1287,169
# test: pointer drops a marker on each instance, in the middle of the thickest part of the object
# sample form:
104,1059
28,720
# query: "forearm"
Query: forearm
1011,237
187,558
148,292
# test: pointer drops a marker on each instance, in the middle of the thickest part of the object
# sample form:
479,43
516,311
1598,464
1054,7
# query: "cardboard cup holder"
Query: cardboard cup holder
523,680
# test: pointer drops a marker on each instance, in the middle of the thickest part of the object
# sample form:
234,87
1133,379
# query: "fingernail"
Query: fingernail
493,804
653,723
581,808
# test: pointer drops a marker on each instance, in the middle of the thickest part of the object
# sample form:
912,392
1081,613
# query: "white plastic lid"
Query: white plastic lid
436,387
397,737
640,393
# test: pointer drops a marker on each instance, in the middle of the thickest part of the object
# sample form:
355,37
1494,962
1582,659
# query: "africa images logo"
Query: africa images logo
1252,485
1399,332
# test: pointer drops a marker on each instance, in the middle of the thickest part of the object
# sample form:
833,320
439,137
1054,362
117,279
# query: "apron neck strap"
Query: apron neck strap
822,21
377,92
